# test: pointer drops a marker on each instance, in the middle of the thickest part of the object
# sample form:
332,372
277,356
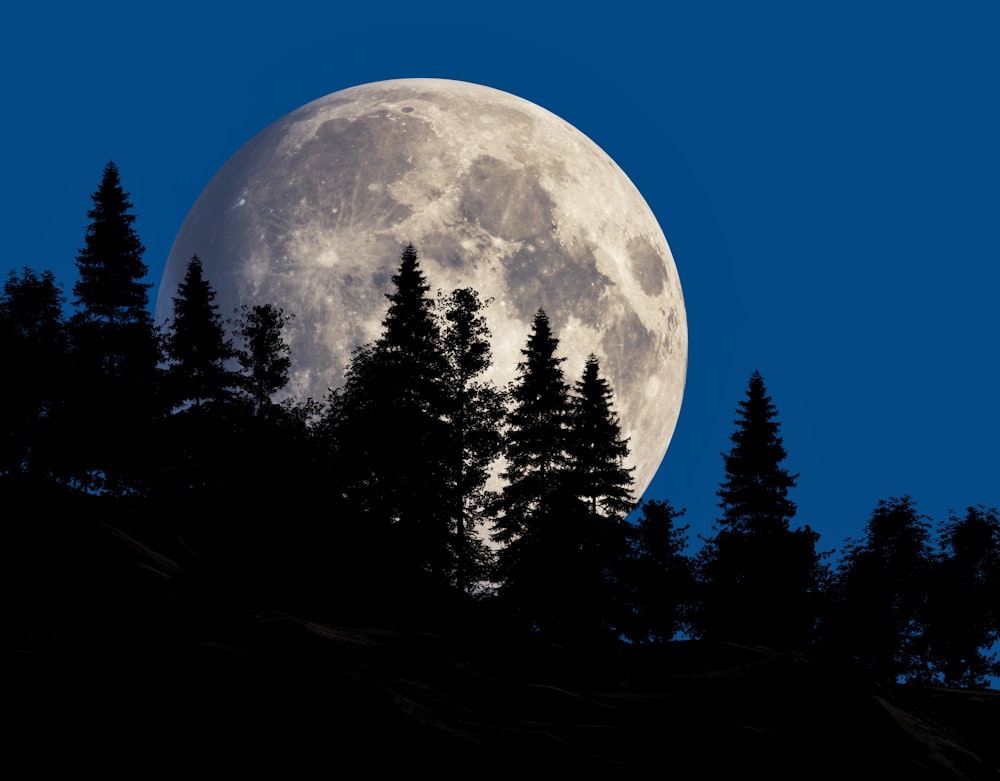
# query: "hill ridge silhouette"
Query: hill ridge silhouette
125,656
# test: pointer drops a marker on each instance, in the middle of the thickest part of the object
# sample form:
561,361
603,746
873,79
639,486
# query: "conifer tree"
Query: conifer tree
196,344
754,495
600,483
759,579
537,434
962,619
111,291
196,440
879,594
596,449
388,423
475,414
34,347
534,526
114,347
265,358
656,577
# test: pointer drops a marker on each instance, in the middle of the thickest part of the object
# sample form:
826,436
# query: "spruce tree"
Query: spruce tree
391,438
962,618
265,357
111,290
759,579
754,495
114,347
197,347
34,347
878,597
597,451
537,434
656,578
534,525
475,413
600,483
196,440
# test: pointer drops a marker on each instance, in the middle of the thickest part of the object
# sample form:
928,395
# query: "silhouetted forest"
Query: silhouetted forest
375,506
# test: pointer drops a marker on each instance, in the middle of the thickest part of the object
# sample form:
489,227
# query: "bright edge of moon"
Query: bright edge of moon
495,192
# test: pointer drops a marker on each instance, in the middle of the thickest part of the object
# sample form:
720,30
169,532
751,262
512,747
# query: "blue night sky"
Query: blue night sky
827,176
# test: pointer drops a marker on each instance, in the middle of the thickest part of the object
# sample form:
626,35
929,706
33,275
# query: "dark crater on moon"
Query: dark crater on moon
647,266
511,205
508,204
361,158
630,346
441,246
547,276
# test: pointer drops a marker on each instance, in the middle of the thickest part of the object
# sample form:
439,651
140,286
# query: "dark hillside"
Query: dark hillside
114,657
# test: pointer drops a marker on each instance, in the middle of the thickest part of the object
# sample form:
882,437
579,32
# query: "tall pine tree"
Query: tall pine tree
534,524
759,579
392,442
474,416
114,347
754,494
111,289
597,451
197,348
200,456
601,485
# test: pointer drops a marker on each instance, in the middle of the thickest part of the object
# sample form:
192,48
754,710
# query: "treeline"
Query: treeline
377,504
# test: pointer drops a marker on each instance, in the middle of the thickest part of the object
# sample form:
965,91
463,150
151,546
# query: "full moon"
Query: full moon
494,192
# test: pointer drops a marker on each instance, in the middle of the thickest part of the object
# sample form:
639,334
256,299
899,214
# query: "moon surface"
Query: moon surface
495,193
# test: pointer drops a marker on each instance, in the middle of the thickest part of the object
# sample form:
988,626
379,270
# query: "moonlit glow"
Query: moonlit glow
495,193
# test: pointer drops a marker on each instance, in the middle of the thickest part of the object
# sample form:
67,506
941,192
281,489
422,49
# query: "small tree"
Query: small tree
759,580
963,610
879,594
597,451
265,358
656,578
34,347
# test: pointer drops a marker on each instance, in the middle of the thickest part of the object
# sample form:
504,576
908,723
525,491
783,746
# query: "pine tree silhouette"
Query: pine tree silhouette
600,483
474,417
111,290
656,577
265,357
878,595
196,344
33,343
962,617
114,348
535,511
392,444
597,451
760,580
